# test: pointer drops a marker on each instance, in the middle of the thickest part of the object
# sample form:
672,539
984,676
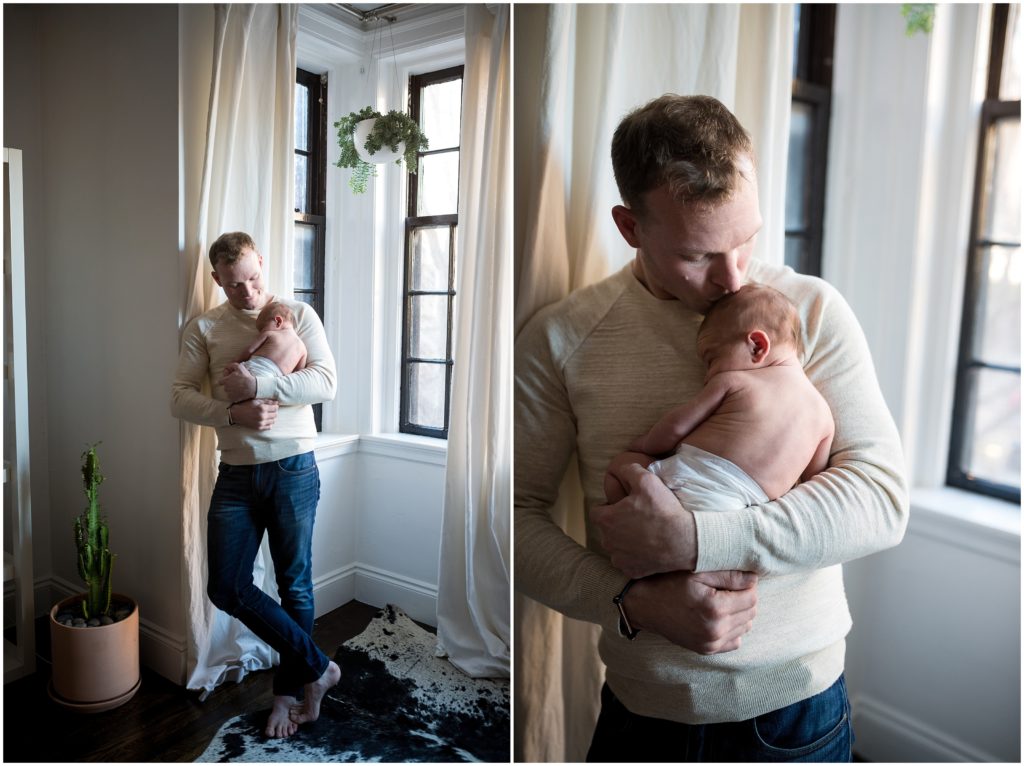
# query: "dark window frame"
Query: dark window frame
315,212
993,109
812,86
414,222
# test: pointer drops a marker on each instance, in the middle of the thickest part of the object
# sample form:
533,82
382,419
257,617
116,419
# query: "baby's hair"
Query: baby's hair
272,308
758,307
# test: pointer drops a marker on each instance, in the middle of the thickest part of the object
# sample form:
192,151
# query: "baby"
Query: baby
756,428
281,350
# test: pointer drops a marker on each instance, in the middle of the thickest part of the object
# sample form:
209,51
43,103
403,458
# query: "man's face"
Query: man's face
692,253
242,281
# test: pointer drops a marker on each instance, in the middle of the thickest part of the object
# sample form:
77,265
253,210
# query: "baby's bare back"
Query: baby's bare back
284,348
771,423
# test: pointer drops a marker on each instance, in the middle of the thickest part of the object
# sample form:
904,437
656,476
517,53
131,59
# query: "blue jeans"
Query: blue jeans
816,729
278,498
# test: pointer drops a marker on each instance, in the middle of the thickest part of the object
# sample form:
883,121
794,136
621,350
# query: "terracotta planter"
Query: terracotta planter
95,669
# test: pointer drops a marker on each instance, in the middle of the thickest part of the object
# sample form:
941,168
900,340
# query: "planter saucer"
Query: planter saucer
94,707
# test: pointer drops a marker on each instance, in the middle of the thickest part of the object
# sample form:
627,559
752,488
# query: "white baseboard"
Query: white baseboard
887,735
378,587
334,589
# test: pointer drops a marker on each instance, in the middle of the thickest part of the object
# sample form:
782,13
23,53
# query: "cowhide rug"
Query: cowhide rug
396,702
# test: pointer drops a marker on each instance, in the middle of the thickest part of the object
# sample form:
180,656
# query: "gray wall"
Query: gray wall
91,97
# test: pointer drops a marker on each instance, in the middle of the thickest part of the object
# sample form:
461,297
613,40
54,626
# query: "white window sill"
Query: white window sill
422,449
967,520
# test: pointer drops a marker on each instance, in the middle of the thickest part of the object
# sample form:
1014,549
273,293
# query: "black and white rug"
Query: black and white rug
396,703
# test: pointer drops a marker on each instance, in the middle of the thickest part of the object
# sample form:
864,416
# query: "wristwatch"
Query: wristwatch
625,627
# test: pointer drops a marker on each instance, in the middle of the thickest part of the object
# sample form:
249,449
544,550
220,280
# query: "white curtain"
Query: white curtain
237,75
579,70
473,588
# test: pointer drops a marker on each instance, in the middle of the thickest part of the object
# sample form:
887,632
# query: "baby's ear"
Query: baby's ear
759,345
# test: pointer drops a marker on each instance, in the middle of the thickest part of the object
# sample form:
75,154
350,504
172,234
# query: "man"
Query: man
691,674
268,479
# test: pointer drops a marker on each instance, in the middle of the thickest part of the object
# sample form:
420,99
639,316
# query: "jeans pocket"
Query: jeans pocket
297,465
814,729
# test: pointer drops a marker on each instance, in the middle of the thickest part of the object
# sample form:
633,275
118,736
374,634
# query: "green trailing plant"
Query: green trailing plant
920,17
95,561
390,130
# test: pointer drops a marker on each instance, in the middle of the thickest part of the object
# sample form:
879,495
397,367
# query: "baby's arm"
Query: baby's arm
677,423
253,347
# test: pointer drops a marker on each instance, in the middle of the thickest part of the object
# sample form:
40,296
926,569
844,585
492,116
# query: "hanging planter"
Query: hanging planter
368,138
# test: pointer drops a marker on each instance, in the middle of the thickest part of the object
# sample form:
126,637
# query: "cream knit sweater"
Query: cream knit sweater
598,369
213,340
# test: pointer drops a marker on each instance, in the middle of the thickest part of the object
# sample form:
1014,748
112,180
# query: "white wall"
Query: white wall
93,95
933,661
398,485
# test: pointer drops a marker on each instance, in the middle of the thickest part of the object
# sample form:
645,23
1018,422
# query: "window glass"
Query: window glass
429,261
441,114
1002,188
301,117
796,165
992,440
438,181
428,326
997,336
305,254
301,183
427,384
1009,83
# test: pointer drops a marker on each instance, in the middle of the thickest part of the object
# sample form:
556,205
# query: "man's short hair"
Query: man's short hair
757,307
227,248
692,143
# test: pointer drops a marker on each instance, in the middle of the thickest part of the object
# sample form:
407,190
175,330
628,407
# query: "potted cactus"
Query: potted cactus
94,636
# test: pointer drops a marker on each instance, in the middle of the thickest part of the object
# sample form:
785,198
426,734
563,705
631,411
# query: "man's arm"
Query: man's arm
316,382
858,506
189,400
554,569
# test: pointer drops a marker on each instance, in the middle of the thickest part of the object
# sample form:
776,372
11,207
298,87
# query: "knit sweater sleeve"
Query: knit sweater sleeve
550,566
190,399
860,504
314,383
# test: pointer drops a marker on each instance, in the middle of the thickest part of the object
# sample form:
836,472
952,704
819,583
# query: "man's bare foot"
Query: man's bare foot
309,710
279,723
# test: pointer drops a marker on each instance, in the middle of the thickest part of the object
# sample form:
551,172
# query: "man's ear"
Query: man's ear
216,278
759,345
625,219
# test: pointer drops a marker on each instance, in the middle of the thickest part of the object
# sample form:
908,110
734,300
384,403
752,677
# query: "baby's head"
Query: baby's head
275,316
747,328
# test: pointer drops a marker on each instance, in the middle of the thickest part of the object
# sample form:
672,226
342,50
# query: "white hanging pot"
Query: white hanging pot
360,134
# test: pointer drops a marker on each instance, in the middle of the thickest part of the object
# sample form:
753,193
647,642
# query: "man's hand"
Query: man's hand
707,613
238,382
259,414
648,531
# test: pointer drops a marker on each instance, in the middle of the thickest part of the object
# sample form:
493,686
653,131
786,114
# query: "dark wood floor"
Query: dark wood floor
163,722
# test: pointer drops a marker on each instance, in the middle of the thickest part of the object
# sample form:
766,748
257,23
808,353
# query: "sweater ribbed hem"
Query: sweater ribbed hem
719,696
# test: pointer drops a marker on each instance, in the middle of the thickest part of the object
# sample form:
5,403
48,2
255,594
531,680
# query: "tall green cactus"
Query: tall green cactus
95,561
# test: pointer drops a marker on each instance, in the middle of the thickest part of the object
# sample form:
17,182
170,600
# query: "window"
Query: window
435,102
310,194
813,35
985,445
